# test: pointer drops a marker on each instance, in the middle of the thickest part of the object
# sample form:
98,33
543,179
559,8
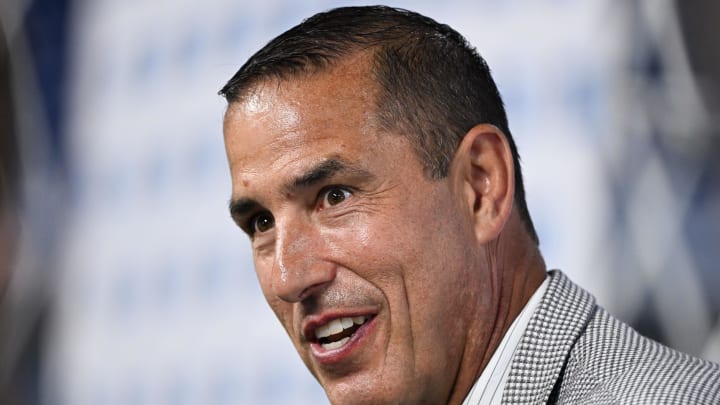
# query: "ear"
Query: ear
483,170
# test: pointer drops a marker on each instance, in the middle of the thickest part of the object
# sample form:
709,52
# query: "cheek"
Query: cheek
350,241
264,277
436,249
382,243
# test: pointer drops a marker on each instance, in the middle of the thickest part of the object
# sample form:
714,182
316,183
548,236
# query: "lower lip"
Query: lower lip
333,356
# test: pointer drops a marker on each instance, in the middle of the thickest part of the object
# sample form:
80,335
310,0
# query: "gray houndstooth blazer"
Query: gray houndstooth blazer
574,352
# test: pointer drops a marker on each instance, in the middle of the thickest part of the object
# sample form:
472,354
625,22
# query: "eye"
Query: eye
334,196
260,223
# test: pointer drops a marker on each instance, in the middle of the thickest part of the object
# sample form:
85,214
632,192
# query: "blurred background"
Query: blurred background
124,281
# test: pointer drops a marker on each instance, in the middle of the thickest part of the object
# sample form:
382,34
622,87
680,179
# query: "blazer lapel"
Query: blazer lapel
553,329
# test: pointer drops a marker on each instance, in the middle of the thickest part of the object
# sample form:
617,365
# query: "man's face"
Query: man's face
369,265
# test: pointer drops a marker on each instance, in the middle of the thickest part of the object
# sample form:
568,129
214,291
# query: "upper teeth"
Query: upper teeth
338,325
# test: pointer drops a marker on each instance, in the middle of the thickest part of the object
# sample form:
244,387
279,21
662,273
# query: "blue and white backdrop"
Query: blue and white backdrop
154,297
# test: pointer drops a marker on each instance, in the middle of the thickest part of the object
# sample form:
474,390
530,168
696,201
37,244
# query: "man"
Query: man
374,171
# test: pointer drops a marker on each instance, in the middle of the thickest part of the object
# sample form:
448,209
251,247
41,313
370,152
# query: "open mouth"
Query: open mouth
338,332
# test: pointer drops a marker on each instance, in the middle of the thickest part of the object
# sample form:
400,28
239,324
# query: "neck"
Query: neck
516,270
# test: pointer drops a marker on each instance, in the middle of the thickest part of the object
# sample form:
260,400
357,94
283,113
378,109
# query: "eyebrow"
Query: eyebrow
318,174
325,170
241,207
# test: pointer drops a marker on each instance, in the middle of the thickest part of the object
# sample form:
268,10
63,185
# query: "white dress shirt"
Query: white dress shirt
488,388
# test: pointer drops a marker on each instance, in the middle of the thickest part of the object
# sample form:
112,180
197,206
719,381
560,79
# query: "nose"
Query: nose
301,268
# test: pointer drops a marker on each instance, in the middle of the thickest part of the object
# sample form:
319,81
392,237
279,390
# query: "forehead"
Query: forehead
343,94
281,125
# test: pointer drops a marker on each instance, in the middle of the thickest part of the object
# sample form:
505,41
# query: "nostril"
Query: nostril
311,290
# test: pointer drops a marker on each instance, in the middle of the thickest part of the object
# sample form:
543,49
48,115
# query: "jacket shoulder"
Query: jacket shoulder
612,363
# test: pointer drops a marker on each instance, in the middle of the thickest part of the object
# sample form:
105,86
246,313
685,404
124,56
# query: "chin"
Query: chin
380,392
365,399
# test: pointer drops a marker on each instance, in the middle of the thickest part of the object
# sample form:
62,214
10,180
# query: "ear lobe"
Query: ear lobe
483,169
